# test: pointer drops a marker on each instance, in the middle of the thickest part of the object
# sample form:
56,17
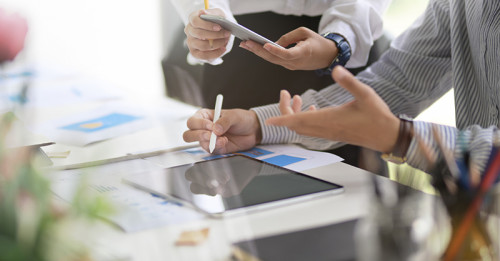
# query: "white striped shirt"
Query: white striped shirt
454,44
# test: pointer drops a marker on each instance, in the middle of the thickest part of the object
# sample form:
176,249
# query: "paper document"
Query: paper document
288,156
99,124
136,210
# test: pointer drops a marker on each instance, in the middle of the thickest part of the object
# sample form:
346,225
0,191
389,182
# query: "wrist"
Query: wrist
343,52
330,52
405,135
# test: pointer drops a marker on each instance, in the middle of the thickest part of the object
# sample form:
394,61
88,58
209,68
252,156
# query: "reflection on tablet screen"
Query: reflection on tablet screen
232,183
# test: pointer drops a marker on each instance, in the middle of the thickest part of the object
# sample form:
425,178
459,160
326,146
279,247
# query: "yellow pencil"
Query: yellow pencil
210,41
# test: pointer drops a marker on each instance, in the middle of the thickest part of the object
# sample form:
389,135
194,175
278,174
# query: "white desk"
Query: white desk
158,244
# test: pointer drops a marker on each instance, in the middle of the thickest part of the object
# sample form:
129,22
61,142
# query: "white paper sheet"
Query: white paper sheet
288,156
109,121
136,210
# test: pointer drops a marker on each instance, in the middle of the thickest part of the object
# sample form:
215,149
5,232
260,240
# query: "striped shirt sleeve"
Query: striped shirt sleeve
422,65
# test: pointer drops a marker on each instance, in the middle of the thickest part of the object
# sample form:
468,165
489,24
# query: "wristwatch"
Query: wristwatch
405,135
344,52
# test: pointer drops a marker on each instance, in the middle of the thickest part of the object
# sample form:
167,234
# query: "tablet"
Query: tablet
232,185
238,30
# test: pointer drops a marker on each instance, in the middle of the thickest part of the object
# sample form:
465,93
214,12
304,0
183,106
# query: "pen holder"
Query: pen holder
475,235
403,224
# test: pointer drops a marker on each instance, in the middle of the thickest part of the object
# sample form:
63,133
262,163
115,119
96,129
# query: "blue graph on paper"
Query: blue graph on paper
256,152
101,123
283,160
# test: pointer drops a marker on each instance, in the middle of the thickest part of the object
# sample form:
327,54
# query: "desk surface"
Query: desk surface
169,117
159,243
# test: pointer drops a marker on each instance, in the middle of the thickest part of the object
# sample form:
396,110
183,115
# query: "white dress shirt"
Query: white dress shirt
359,21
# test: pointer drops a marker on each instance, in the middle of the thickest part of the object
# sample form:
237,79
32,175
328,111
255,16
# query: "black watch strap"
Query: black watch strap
344,52
405,136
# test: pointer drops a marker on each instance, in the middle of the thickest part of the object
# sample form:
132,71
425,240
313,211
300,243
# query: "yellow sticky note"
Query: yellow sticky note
92,125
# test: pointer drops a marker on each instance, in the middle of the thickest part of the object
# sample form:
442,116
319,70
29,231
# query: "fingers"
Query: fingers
203,34
287,58
308,123
297,104
290,121
197,22
294,36
202,119
312,108
282,53
200,126
269,51
226,121
205,40
288,106
285,100
261,52
207,55
196,135
206,45
345,79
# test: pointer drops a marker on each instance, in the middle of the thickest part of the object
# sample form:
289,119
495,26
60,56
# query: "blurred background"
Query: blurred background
123,41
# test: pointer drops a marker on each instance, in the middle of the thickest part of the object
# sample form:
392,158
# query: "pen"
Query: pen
210,41
218,107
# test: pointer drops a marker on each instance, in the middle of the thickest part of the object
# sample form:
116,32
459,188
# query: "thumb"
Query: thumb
225,122
347,81
291,38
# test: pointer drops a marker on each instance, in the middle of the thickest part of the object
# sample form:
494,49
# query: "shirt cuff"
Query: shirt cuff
417,156
195,61
273,134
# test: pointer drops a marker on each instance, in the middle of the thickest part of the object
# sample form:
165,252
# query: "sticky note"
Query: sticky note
192,237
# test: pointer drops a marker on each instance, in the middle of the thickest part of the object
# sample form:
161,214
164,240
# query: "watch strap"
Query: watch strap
405,136
343,55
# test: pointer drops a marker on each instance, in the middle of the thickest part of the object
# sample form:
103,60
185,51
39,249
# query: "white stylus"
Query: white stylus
218,107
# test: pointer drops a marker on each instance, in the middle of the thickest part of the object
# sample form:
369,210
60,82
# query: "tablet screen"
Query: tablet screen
231,183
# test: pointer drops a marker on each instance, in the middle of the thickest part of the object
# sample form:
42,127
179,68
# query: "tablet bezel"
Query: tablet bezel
137,180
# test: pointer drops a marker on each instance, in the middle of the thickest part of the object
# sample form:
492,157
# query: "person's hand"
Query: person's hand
312,51
236,130
206,40
365,121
